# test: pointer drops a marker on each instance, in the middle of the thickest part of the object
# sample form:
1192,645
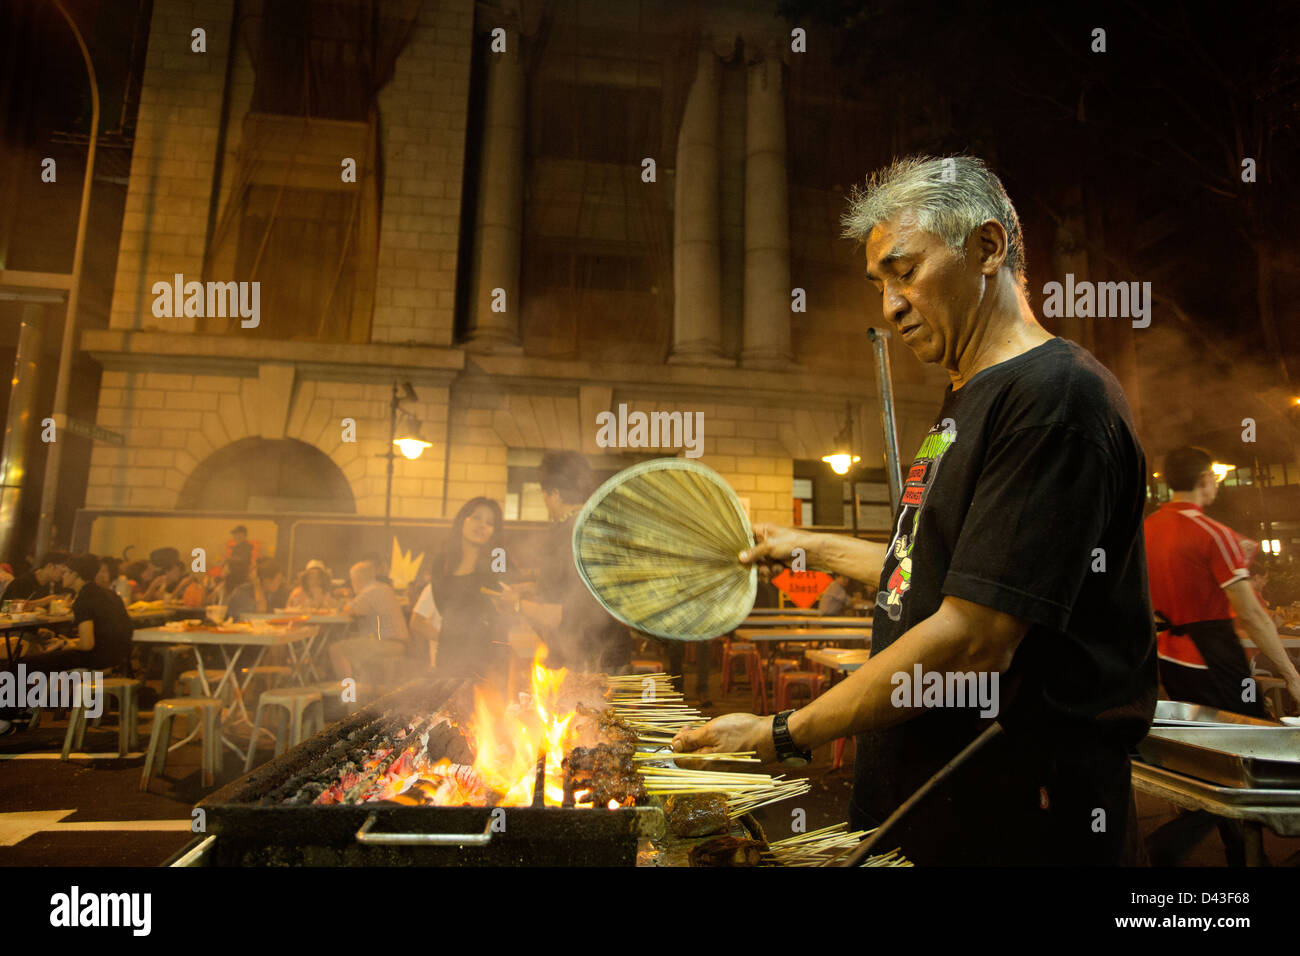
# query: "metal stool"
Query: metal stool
306,715
127,692
204,709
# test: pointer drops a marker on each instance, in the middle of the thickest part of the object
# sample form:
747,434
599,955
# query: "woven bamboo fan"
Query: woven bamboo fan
657,545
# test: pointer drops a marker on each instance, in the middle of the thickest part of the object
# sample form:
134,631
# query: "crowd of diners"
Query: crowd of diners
456,614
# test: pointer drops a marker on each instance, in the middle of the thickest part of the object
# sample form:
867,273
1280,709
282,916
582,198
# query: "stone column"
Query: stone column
767,217
697,255
20,420
500,203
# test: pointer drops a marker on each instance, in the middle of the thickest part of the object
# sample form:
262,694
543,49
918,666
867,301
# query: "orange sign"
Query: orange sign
802,587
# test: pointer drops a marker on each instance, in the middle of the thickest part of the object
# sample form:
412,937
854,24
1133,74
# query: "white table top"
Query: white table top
305,616
791,621
807,634
274,638
844,659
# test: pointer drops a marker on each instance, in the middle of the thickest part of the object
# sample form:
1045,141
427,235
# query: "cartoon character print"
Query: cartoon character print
919,479
901,578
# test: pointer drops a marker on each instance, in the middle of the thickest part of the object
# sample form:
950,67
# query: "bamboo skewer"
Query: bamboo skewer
825,846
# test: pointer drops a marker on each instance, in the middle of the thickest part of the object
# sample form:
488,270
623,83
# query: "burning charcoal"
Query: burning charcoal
727,851
696,814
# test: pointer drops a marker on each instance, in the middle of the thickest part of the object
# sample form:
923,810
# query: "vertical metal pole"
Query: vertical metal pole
18,426
388,495
54,458
885,381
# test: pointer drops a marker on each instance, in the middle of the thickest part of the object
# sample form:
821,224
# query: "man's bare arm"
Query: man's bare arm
839,554
960,636
1261,629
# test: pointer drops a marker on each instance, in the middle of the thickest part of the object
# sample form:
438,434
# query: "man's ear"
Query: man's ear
988,243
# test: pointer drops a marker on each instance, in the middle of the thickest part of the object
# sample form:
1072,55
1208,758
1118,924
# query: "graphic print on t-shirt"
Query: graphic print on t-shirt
919,479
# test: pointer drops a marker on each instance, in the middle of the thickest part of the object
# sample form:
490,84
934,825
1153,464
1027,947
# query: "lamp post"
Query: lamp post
410,446
54,458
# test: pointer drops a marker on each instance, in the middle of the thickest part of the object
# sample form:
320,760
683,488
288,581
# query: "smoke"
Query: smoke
1199,388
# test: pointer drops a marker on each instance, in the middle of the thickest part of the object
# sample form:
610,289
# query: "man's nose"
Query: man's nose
894,306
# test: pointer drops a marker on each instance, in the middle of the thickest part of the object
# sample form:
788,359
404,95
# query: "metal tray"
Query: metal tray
1253,757
1178,713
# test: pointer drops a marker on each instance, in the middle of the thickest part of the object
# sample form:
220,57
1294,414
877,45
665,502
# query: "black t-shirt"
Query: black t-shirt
112,624
473,641
1030,467
589,638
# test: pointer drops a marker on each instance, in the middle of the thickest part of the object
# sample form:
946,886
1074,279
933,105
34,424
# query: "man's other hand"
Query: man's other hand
771,542
730,733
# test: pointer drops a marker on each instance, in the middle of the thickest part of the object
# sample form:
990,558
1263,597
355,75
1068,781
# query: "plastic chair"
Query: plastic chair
127,693
789,680
306,716
746,652
204,709
192,686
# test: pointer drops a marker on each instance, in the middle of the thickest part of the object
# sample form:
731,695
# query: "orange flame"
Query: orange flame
507,741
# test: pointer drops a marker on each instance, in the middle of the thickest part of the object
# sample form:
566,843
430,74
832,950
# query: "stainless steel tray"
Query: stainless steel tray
1178,713
1253,757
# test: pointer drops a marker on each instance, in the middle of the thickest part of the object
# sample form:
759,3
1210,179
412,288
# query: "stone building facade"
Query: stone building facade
451,212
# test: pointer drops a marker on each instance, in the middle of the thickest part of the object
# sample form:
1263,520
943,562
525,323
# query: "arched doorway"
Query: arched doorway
267,475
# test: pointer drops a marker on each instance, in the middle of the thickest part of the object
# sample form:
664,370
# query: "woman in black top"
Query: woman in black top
472,639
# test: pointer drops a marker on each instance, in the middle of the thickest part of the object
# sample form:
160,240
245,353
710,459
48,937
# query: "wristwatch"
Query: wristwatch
786,751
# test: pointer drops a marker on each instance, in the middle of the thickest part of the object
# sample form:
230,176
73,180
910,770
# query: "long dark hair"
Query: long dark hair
449,560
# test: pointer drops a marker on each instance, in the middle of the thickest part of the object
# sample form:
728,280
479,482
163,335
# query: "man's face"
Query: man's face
554,503
929,292
1209,487
65,575
357,584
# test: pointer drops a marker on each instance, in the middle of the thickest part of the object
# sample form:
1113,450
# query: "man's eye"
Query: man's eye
907,276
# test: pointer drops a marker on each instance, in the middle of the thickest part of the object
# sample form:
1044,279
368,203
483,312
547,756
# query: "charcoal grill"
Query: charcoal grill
253,825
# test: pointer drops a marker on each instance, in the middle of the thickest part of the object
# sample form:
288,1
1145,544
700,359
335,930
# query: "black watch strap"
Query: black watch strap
786,751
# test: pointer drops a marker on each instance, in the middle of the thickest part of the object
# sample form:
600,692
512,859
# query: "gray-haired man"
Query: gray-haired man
1015,580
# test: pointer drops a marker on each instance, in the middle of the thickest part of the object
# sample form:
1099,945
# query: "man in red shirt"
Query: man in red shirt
1199,576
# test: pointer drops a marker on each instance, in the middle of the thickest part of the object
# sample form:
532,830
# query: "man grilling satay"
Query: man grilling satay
1199,577
1015,575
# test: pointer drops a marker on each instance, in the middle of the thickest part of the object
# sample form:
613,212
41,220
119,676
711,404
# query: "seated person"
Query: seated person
835,598
168,585
274,588
237,591
41,585
313,590
102,639
375,605
140,574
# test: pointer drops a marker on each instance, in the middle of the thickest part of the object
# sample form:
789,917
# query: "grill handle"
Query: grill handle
422,839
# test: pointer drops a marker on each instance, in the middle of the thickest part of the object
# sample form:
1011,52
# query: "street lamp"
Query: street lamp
842,460
410,444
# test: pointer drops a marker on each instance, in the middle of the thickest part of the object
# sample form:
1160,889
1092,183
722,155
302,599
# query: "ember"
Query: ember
508,742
